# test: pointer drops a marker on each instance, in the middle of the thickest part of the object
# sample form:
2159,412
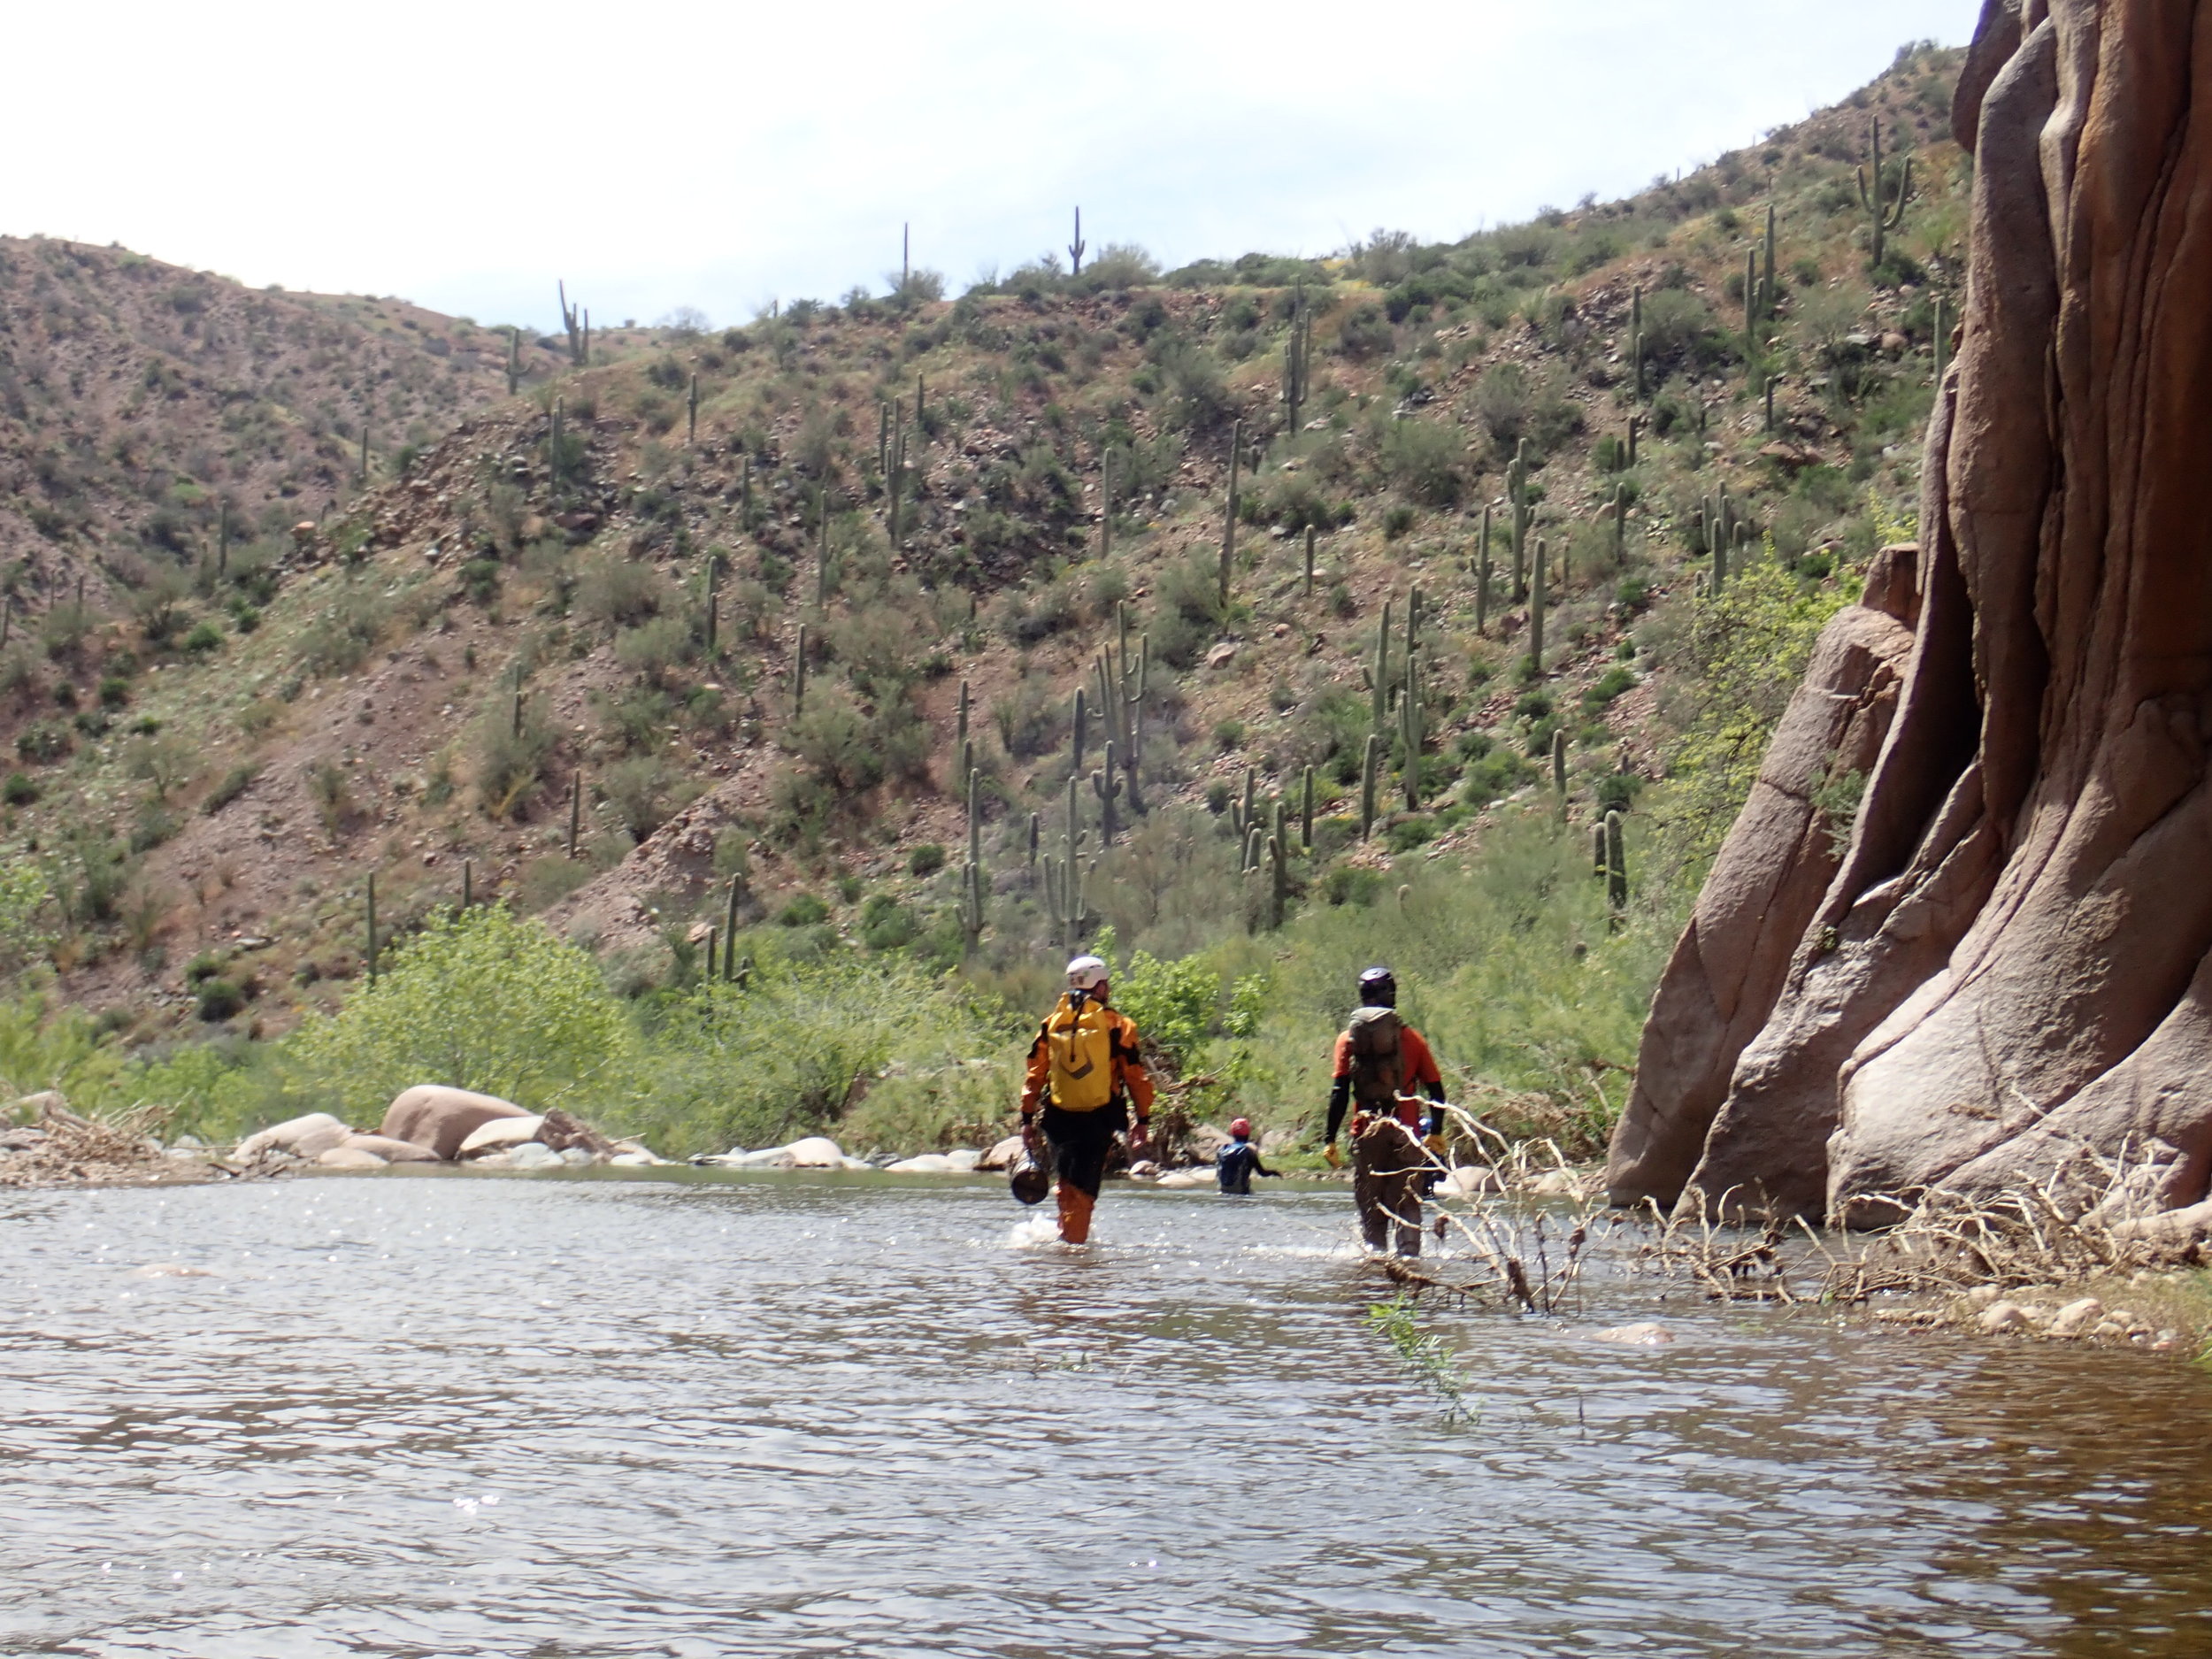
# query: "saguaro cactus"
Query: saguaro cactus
798,676
1379,674
1411,732
1121,686
1229,513
1597,850
1305,814
1636,342
1885,212
1369,762
1242,818
1076,247
1482,573
962,747
1517,492
1615,869
575,811
729,928
1309,561
571,321
972,881
1106,784
692,431
1296,346
1536,606
514,360
1078,726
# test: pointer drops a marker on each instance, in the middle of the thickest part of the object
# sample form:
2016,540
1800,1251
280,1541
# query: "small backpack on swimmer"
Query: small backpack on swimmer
1377,1072
1079,1041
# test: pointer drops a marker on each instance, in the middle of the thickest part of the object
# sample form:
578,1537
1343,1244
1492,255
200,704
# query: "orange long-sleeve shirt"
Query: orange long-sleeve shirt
1416,1065
1130,1077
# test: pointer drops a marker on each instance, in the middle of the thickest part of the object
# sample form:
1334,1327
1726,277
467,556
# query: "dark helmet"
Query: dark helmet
1378,989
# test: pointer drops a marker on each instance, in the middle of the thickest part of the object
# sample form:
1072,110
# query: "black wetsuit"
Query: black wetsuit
1236,1164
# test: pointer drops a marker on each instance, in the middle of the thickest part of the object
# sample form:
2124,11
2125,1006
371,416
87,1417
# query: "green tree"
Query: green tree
482,1000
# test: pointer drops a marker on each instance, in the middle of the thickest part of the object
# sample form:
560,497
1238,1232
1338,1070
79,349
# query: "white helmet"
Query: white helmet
1086,973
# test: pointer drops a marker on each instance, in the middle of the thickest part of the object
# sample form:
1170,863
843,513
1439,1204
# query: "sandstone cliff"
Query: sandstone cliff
2011,959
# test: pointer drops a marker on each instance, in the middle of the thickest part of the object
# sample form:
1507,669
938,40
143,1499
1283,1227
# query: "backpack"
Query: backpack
1377,1073
1079,1041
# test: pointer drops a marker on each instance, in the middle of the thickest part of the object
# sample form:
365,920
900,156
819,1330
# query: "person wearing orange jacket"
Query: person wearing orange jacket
1086,1070
1379,1062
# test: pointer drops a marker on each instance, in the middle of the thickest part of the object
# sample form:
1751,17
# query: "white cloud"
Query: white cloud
682,153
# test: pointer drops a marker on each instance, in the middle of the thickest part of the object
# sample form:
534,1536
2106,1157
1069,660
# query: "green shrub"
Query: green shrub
1609,685
43,743
115,692
1418,830
20,790
887,924
219,999
805,909
1423,458
781,1055
234,783
479,999
926,860
480,580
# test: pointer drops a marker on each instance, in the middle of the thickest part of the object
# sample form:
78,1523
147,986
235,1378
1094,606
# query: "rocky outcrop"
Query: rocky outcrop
431,1115
1721,984
2011,961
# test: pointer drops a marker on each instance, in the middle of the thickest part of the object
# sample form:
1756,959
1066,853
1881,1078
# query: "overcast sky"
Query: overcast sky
663,153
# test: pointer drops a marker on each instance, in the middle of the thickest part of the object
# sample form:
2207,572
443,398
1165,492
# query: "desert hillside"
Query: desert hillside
599,595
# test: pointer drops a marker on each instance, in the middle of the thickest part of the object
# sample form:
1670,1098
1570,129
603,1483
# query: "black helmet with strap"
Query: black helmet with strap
1378,988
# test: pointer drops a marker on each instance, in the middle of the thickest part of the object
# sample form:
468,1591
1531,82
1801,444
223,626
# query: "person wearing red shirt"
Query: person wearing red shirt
1379,1062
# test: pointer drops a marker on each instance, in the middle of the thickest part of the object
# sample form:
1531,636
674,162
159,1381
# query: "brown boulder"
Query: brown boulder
1776,865
431,1115
2015,960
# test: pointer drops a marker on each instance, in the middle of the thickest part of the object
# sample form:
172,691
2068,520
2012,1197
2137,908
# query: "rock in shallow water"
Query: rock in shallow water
1643,1333
307,1137
431,1115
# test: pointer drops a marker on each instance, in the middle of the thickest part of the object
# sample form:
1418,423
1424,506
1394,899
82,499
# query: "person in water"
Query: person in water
1379,1062
1085,1073
1236,1163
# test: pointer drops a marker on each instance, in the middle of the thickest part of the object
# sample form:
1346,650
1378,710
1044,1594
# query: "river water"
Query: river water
740,1415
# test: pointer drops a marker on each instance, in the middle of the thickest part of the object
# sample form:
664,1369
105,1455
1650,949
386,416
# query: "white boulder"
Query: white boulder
345,1157
1001,1156
965,1160
816,1152
500,1134
533,1155
1470,1179
308,1137
927,1164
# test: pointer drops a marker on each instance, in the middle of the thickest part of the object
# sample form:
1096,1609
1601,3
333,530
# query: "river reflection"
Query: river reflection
779,1414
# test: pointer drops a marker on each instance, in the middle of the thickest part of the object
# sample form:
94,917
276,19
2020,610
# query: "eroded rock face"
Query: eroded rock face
431,1115
1721,984
2011,961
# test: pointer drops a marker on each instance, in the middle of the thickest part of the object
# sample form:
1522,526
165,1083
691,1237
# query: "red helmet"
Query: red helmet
1241,1127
